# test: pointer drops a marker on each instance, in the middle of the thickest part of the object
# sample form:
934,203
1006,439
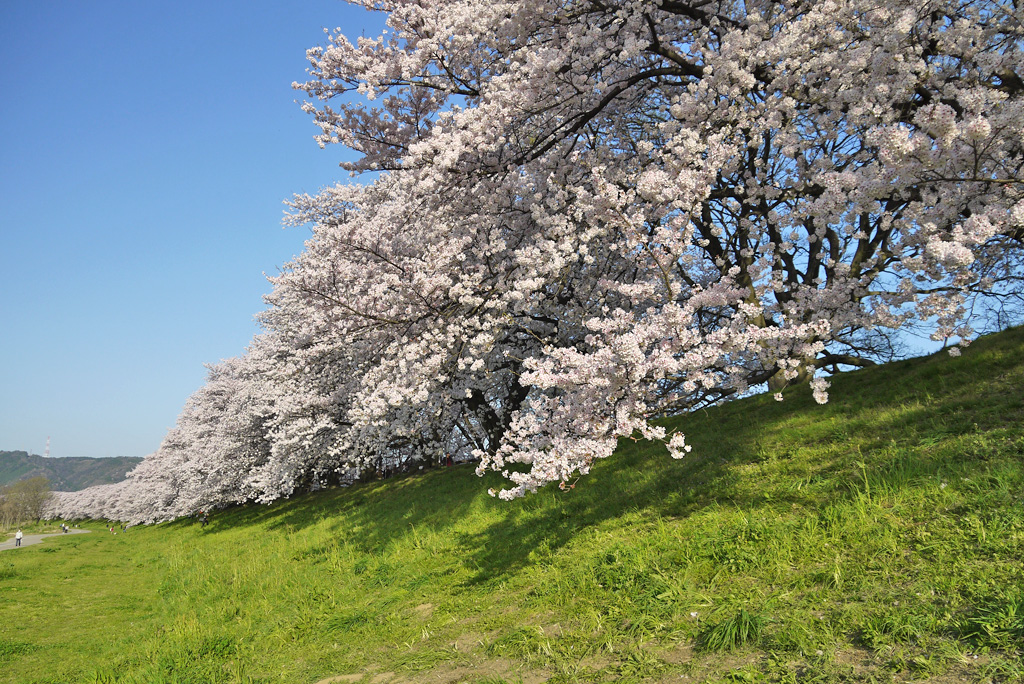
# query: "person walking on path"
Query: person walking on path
10,543
17,538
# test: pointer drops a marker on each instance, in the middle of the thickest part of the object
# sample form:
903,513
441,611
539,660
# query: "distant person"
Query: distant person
203,519
17,538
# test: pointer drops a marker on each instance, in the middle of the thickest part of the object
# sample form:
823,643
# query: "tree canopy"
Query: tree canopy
579,216
24,500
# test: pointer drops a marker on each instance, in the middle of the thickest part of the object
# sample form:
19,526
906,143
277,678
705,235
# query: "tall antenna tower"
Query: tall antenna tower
47,454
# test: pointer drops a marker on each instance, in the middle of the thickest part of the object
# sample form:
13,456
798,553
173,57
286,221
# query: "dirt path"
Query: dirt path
36,538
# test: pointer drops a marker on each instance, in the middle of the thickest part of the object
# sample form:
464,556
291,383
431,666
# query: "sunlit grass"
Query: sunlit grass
877,538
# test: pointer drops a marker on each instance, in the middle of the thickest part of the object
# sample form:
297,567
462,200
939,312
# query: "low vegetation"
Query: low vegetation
877,538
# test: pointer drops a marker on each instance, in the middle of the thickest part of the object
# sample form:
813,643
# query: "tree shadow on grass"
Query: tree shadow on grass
726,439
496,538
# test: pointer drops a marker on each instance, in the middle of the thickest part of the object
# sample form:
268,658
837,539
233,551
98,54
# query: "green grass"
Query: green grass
878,538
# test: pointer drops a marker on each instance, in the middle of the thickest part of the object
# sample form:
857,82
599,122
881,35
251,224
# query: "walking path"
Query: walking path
36,538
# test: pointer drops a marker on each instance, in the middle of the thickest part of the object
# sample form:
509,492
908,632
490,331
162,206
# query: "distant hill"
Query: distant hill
64,474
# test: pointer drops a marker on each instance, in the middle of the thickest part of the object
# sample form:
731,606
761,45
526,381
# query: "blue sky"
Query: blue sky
145,151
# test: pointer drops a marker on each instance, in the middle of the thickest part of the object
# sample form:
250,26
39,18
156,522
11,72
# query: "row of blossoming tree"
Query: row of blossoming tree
586,214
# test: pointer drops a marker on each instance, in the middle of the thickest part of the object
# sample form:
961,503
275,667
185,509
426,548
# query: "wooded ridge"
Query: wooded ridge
65,474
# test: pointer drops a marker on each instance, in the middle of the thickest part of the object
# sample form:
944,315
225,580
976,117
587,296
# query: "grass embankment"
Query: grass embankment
877,538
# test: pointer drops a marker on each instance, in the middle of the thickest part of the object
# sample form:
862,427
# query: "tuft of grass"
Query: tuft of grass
736,631
998,623
10,648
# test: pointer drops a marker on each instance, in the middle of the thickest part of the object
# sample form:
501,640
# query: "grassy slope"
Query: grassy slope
877,538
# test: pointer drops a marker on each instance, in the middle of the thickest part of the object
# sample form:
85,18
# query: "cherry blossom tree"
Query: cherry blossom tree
252,433
580,216
590,214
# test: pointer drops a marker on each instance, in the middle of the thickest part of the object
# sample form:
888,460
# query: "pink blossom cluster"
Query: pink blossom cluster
585,216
